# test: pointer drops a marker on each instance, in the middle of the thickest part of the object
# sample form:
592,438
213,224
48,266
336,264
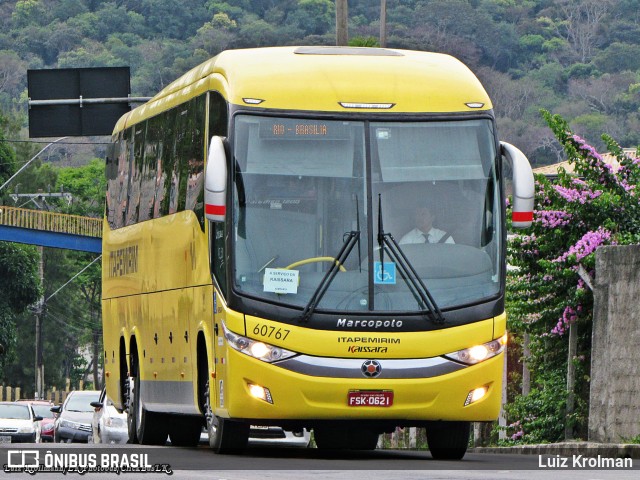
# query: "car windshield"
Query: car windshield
15,412
304,188
43,411
82,403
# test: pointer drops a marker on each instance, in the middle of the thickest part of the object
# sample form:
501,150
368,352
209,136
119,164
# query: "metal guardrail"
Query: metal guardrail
50,221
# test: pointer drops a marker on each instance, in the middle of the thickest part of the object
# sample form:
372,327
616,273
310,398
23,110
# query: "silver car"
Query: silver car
18,423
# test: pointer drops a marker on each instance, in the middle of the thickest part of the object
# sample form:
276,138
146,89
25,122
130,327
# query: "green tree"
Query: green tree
547,294
313,17
20,287
7,159
618,57
87,184
27,12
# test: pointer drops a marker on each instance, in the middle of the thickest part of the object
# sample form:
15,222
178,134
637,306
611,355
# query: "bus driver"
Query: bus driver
425,232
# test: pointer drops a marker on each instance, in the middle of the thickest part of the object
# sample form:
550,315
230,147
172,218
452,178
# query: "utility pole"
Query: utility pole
383,23
39,307
39,313
342,21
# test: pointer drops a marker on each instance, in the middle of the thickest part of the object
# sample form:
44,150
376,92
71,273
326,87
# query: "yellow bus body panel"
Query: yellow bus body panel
297,396
415,82
156,288
331,343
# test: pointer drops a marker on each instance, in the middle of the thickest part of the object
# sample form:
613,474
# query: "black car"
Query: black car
73,423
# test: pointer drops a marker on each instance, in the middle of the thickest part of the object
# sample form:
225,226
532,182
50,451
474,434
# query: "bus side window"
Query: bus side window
195,158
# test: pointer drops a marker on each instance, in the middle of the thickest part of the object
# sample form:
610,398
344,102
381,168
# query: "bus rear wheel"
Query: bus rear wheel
448,440
184,431
345,438
131,419
150,428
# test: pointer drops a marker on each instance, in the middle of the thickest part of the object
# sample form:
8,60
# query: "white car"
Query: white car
108,424
18,423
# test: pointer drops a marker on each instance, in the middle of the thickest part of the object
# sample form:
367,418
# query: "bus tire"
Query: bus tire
131,419
345,438
184,431
150,427
448,440
227,436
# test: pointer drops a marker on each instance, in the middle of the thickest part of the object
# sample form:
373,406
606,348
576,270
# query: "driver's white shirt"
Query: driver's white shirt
417,236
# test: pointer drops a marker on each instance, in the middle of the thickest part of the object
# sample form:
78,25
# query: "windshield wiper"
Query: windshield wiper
407,271
351,238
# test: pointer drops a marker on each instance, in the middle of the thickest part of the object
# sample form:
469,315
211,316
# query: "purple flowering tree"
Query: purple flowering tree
548,290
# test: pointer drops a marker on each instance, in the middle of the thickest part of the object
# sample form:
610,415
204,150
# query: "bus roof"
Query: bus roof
320,78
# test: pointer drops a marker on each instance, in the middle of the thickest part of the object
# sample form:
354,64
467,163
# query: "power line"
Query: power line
78,323
74,277
13,140
65,324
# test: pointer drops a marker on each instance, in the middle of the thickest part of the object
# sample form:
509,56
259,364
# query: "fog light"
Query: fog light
475,395
261,393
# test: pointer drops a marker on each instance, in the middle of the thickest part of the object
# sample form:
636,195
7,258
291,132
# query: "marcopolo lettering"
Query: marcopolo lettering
346,323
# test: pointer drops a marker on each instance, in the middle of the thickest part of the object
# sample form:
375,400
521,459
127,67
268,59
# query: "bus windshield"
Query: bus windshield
304,189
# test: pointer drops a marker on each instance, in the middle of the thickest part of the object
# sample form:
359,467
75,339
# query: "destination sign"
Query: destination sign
297,129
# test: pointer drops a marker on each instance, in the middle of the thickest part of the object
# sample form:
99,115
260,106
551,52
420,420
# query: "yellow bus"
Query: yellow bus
309,237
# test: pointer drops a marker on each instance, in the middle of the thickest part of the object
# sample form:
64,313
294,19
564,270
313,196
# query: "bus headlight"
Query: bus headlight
253,348
479,353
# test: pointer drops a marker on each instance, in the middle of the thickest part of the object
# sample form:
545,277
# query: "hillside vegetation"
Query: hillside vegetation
580,59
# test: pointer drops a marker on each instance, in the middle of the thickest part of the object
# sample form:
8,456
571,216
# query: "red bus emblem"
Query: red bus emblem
371,368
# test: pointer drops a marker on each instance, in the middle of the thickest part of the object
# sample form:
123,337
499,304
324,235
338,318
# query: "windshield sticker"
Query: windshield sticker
383,133
386,275
279,280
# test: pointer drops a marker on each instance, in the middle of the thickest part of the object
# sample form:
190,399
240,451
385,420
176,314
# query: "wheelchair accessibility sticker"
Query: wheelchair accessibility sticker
386,276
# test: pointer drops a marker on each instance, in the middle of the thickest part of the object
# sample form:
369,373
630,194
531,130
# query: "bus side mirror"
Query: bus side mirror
215,183
523,186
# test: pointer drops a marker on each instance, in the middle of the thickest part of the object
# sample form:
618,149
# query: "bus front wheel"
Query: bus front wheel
227,436
448,440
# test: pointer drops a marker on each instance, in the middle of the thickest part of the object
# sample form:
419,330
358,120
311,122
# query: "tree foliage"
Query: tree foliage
540,44
20,287
547,293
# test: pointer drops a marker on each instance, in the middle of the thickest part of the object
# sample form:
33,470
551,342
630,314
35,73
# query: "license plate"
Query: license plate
370,398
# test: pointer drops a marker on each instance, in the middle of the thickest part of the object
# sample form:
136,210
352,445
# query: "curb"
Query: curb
586,449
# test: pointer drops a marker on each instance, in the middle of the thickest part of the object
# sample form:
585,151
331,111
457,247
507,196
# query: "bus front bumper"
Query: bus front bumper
252,389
